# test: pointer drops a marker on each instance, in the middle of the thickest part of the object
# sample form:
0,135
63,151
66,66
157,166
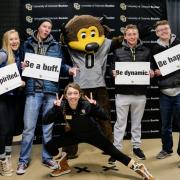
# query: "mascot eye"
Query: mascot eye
83,35
93,34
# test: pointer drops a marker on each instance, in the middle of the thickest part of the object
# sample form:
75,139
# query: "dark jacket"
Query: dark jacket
171,80
3,58
82,120
50,48
19,57
124,54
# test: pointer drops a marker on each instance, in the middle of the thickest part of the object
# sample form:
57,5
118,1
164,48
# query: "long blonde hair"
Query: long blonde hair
6,45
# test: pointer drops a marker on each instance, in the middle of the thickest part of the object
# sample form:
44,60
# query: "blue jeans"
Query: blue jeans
31,113
167,105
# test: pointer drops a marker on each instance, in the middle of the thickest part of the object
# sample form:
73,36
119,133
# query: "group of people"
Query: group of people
78,113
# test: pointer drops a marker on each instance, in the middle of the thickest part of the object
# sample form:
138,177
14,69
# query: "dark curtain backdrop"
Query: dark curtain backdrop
9,15
173,13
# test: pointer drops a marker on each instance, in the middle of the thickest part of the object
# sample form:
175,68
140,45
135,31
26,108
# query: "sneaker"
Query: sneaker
63,166
50,164
163,154
111,160
9,161
140,169
4,168
21,169
139,153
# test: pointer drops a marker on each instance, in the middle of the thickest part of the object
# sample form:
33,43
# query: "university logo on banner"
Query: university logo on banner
42,67
168,61
9,78
132,73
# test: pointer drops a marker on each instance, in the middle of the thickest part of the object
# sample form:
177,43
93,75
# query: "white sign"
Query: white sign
132,73
168,61
42,67
9,78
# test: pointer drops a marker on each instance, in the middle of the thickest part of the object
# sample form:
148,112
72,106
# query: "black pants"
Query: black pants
178,150
97,139
6,121
5,141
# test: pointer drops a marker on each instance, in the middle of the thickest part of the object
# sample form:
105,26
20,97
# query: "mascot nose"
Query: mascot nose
92,47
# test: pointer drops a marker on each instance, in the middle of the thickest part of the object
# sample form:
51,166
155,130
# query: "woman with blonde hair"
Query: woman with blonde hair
10,53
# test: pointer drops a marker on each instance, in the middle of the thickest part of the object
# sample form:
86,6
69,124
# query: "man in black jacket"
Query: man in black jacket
170,89
131,97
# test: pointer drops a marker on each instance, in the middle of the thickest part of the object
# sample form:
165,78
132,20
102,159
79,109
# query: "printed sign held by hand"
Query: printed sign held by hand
9,78
168,61
132,73
42,67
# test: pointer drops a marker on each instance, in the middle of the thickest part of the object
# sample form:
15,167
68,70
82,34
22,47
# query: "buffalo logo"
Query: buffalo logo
123,6
28,7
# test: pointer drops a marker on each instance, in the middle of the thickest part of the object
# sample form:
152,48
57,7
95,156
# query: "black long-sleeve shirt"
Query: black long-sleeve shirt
82,120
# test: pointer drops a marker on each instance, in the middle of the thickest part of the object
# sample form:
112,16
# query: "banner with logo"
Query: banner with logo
118,13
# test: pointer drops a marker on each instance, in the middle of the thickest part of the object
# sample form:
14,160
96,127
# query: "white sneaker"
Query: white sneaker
9,162
4,168
21,169
50,163
142,171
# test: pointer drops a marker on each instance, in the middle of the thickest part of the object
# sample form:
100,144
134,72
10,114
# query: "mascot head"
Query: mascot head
84,33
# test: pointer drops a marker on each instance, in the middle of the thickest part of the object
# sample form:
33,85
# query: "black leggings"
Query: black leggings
5,141
97,139
7,117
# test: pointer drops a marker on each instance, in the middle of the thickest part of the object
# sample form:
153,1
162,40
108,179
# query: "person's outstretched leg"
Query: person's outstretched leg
104,144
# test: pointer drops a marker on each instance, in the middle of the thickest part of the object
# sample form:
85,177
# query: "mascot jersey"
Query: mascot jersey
92,66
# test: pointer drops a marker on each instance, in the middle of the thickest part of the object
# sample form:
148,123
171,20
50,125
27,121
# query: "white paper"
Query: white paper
42,67
132,73
168,61
9,78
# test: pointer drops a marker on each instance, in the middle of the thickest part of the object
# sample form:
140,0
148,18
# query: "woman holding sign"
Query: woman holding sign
79,117
170,89
130,96
10,53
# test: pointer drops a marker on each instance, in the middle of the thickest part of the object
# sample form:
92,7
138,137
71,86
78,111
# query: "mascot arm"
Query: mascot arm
116,43
112,64
65,66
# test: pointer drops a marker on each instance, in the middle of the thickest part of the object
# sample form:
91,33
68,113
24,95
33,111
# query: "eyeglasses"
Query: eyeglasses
163,29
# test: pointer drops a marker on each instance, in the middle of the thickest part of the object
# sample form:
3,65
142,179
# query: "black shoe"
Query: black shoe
111,160
139,153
